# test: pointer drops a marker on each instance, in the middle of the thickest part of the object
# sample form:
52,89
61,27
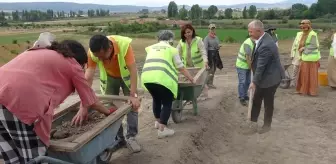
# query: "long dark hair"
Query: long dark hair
71,49
184,28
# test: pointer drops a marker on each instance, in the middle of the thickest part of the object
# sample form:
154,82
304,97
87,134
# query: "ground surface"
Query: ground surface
302,132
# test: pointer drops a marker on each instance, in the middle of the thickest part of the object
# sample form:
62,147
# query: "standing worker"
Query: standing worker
32,85
332,64
267,75
310,55
271,31
192,50
243,65
116,62
160,78
295,57
212,45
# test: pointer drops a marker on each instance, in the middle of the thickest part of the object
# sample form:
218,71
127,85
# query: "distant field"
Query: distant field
31,37
238,35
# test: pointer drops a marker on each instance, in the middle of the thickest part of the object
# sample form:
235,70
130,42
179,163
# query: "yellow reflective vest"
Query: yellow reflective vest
311,52
196,55
159,67
241,61
123,44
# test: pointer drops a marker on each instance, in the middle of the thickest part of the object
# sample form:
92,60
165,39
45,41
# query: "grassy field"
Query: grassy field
235,35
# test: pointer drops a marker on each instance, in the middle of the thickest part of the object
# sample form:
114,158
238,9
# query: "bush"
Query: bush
14,52
229,39
14,41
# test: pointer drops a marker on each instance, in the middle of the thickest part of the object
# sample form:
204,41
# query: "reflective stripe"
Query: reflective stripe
198,61
157,68
196,57
126,78
164,62
243,60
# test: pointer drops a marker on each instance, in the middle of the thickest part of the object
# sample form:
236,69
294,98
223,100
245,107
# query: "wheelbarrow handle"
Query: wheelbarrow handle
42,159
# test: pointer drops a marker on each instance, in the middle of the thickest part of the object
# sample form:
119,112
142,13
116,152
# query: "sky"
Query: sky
152,3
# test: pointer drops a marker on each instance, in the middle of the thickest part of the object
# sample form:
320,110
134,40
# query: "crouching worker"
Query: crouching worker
160,78
32,85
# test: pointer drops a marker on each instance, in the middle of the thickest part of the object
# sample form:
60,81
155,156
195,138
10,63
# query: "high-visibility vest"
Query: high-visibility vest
123,44
196,55
315,55
241,61
159,67
331,51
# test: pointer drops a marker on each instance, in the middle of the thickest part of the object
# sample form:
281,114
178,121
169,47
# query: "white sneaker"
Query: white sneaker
156,124
165,133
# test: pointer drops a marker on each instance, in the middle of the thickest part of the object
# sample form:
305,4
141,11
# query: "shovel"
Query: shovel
251,94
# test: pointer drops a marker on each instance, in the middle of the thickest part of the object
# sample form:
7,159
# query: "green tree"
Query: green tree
196,12
245,16
297,10
252,11
212,10
327,6
172,10
228,13
183,13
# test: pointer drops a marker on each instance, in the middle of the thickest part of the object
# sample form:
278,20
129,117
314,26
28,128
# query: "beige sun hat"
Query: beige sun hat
44,40
212,26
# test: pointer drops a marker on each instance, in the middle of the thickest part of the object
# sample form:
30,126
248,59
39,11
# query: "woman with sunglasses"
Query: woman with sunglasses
306,50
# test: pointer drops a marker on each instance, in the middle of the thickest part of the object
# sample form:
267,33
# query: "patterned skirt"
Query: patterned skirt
18,141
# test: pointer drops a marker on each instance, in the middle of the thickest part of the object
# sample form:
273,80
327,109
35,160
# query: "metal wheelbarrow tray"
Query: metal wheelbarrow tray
188,92
91,147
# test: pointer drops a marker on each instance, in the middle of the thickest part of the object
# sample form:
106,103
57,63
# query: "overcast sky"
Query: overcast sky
152,3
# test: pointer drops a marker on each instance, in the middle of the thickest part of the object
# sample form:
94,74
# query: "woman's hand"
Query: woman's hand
301,49
80,117
206,65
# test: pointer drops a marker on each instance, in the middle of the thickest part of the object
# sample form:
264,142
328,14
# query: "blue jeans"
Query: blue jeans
244,78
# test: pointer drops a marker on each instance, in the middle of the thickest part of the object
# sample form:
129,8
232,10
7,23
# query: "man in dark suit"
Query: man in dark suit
267,74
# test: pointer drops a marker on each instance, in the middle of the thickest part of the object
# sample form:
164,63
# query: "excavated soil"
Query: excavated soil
66,130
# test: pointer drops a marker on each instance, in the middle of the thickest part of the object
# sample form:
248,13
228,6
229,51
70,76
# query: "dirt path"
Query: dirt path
303,131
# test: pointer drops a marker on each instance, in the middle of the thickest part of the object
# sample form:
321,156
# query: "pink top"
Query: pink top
34,83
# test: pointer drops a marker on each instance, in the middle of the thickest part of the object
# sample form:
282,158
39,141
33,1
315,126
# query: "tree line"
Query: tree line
37,15
297,11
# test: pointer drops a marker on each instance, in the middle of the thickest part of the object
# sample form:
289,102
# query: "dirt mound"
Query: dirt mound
302,132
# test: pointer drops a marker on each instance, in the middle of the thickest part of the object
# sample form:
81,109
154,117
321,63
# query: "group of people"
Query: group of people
259,56
34,83
39,79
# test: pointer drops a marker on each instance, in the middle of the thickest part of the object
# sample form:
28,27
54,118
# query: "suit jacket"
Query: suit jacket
266,65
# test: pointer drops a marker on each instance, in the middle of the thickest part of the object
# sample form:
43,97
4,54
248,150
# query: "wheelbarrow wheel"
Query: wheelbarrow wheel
177,116
176,112
105,157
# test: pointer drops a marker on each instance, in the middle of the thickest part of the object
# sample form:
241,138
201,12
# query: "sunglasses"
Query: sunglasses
302,23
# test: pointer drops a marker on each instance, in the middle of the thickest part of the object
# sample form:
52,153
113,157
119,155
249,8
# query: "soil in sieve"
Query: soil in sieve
66,130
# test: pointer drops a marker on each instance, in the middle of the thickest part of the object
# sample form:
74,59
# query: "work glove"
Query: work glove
112,110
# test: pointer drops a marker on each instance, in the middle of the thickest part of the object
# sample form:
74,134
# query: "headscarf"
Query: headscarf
212,33
305,33
45,39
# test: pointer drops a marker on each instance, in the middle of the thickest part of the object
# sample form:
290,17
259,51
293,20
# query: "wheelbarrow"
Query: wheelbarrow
94,146
285,82
188,92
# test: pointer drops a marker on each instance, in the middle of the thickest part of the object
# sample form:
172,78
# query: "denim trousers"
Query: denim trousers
244,78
